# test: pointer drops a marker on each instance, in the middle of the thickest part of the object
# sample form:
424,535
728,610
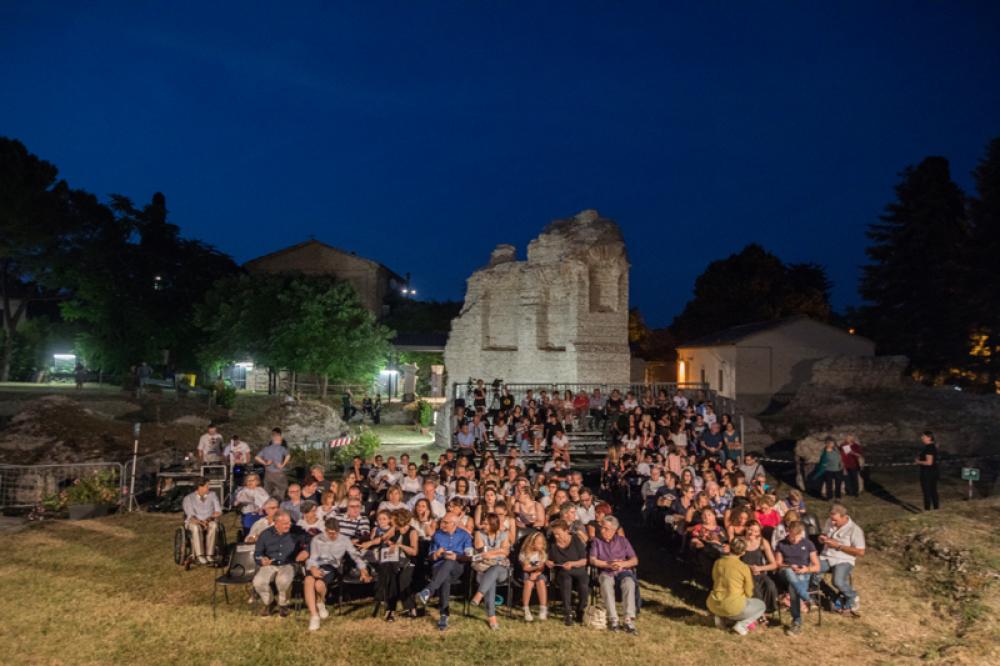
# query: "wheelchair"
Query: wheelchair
184,553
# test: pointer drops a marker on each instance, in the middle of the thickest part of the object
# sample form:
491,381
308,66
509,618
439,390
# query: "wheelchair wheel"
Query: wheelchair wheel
181,546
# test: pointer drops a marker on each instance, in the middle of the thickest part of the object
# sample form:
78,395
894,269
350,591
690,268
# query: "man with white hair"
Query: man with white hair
843,542
613,556
276,551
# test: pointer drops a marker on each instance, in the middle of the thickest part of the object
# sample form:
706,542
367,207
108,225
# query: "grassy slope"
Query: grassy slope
107,591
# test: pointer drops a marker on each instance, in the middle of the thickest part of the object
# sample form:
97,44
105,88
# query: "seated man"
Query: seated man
796,560
276,551
466,440
269,508
438,509
613,555
201,518
325,565
448,551
843,542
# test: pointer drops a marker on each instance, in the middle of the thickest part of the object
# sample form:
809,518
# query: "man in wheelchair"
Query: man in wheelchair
201,518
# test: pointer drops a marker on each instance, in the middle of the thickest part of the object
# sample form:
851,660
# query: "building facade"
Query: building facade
754,362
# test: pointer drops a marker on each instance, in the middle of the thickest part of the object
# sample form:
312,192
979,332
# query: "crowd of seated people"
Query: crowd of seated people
673,471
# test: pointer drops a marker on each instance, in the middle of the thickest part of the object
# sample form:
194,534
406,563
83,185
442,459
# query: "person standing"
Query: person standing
852,458
928,462
210,446
275,457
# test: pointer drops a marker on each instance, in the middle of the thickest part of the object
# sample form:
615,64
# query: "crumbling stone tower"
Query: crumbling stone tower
561,316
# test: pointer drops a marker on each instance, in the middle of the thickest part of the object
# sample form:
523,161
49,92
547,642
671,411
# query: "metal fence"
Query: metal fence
691,390
26,486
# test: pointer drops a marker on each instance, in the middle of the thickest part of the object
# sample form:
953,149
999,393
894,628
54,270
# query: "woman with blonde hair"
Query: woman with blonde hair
533,555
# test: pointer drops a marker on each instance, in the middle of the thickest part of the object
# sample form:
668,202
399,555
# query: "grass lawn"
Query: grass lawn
107,591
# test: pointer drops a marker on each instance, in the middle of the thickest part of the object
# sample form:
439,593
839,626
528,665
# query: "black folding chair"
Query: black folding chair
239,572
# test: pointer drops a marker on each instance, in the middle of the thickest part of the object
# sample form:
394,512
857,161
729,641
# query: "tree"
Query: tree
134,283
915,286
752,285
302,323
984,284
34,218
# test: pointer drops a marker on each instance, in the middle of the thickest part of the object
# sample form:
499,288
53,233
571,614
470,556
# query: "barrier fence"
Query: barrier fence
26,486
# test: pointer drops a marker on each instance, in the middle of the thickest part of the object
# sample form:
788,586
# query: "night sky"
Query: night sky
421,134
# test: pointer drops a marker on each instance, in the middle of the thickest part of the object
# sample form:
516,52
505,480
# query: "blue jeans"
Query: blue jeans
798,588
841,579
445,573
488,587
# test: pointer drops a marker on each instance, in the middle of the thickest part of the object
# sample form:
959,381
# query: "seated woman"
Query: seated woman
491,564
393,500
533,555
568,564
760,558
456,509
708,539
397,556
560,444
327,506
310,522
500,432
411,484
463,493
529,513
731,599
250,501
485,508
767,515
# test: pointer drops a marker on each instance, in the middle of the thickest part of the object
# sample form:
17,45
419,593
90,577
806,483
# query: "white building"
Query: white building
754,362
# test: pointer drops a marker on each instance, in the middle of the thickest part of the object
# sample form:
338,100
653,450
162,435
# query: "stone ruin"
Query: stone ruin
561,316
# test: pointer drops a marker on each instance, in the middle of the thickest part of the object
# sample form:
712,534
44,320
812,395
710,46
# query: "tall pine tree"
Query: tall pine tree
984,278
915,287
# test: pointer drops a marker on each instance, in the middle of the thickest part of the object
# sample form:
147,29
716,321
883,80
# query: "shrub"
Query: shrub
364,445
96,488
425,413
225,394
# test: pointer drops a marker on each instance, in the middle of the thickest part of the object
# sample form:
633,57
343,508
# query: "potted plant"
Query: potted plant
89,496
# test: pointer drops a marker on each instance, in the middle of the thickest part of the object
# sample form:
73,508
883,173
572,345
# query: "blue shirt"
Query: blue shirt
456,542
274,454
280,548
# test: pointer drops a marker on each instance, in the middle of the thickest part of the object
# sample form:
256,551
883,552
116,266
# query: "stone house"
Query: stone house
372,280
755,362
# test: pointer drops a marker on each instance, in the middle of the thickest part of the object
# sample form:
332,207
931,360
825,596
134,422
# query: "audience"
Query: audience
483,513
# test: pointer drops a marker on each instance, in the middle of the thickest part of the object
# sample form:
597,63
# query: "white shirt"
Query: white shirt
210,446
585,515
238,453
252,499
850,534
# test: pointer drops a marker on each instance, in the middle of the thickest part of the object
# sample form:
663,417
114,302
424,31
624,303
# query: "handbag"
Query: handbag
595,617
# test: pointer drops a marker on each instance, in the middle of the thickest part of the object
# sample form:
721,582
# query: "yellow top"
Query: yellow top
732,585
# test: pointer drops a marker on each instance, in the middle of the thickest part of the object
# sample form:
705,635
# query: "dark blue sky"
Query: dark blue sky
421,134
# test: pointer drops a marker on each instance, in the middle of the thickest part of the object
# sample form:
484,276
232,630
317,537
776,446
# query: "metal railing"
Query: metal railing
697,391
27,486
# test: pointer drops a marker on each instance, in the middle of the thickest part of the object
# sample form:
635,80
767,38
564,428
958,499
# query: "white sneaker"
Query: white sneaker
527,614
202,559
543,613
314,623
322,611
740,629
